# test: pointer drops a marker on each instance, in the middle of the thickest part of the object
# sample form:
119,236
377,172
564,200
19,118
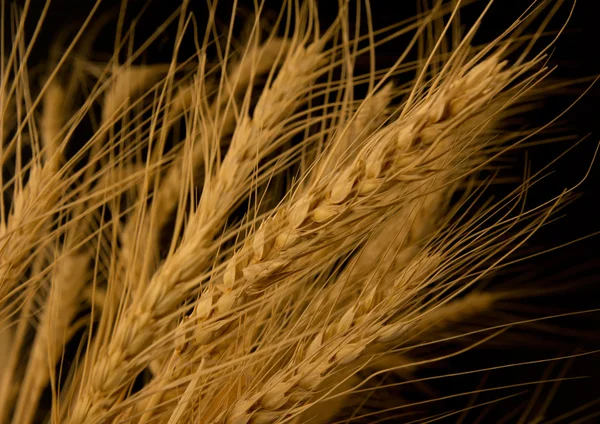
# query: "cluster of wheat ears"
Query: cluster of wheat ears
260,232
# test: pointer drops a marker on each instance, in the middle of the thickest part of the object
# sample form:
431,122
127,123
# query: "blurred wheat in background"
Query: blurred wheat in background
278,225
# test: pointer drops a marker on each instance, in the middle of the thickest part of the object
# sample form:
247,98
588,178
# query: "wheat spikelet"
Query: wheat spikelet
368,117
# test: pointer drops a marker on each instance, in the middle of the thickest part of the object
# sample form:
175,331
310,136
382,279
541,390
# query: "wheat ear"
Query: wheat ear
167,288
29,217
328,359
297,227
71,269
256,61
277,242
9,388
71,272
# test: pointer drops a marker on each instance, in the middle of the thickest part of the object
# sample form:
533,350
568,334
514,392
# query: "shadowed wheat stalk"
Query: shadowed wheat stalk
266,230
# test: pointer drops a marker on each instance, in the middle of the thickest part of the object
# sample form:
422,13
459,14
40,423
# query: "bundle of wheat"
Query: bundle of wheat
260,231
